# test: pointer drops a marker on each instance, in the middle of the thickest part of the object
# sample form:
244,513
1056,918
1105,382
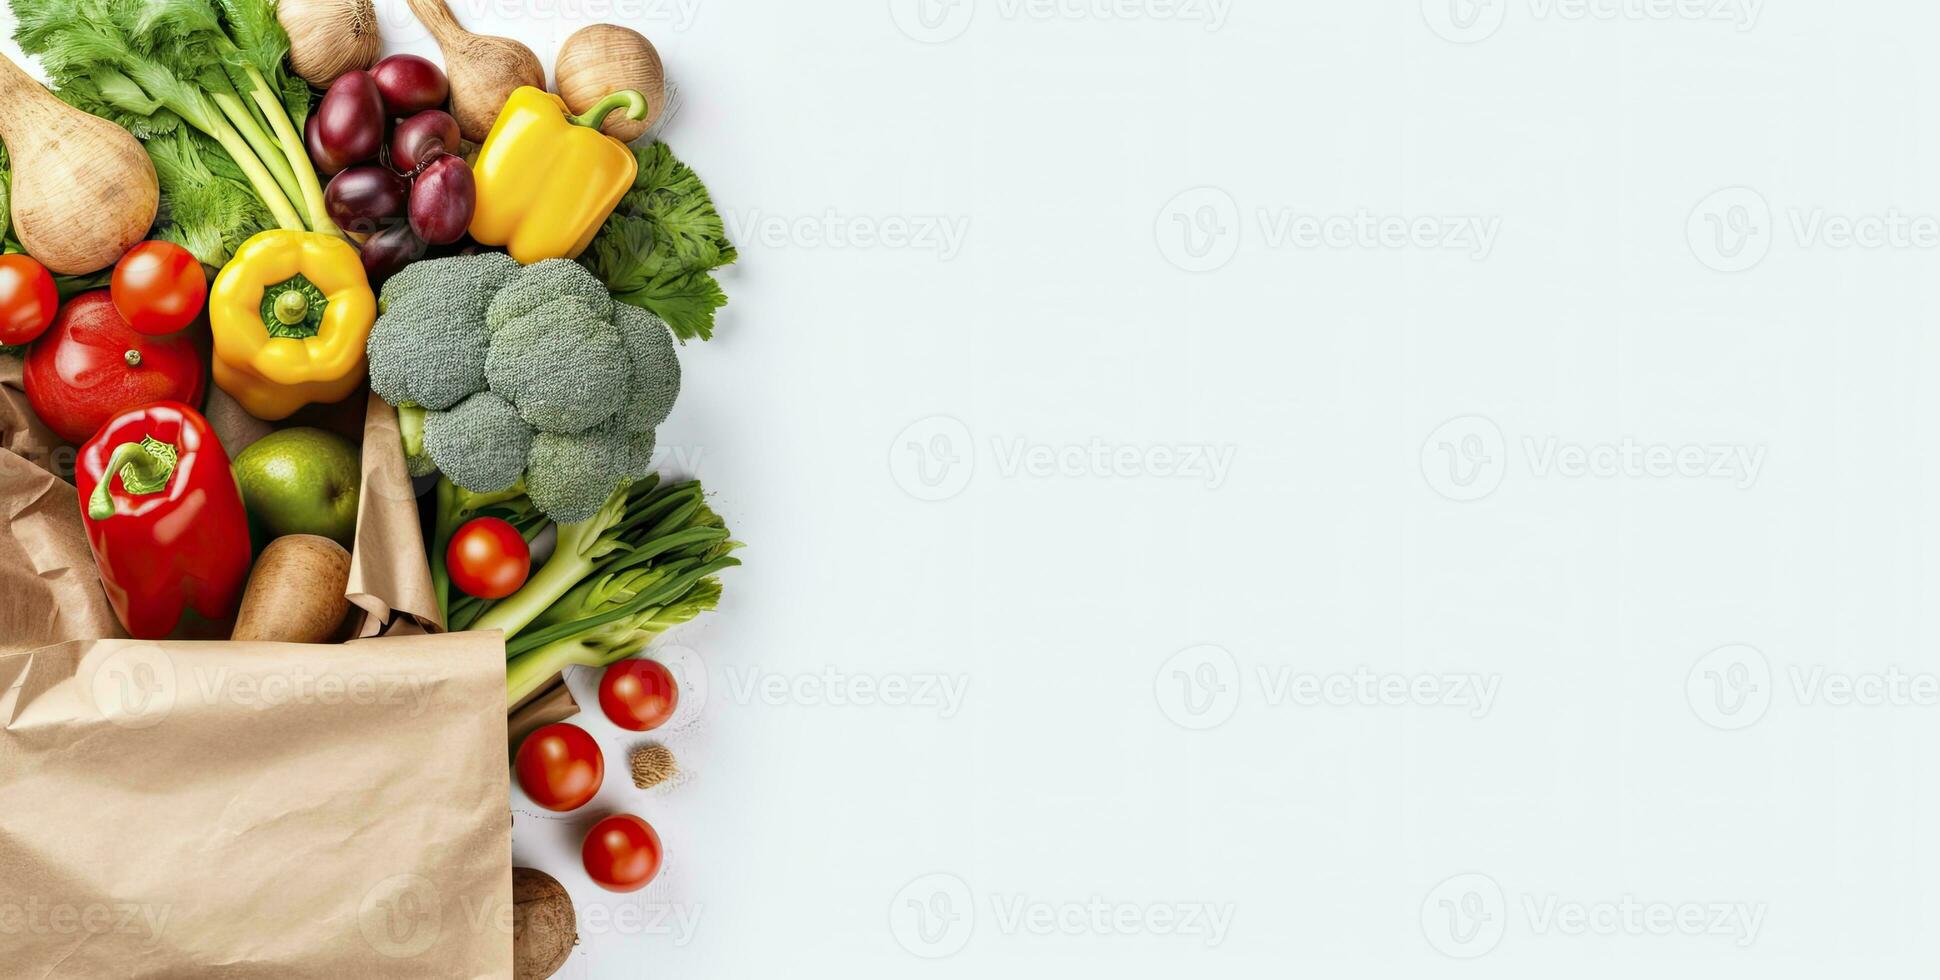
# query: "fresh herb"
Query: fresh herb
207,204
660,247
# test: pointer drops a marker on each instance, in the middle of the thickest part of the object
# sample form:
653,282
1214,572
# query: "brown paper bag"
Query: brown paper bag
191,808
390,577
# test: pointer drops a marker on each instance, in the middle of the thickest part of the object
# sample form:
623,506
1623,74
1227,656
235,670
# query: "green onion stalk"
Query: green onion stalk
643,564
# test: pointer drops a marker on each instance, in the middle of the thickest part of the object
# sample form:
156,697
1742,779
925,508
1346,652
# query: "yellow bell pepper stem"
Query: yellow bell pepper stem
594,118
547,180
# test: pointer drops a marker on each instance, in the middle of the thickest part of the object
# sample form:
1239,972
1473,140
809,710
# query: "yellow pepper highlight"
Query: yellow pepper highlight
547,180
289,315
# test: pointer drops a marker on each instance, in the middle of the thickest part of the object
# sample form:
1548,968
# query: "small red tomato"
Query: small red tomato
622,853
638,695
488,559
27,299
560,767
158,287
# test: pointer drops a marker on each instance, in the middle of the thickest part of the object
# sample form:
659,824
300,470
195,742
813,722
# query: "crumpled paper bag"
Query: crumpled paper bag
214,809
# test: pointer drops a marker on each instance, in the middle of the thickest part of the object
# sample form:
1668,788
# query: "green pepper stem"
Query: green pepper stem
634,103
145,466
292,307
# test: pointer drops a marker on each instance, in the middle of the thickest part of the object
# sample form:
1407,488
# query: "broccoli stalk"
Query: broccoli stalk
646,548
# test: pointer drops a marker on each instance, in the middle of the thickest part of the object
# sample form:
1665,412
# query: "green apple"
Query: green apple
301,481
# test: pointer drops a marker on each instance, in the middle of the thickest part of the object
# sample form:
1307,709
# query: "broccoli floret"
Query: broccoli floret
428,348
561,364
541,283
570,476
655,380
639,453
481,444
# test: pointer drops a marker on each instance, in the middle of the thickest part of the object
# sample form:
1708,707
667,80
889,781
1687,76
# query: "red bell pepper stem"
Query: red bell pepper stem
148,471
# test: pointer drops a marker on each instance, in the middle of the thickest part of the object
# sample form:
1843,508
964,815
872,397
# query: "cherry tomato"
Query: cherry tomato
622,853
27,299
159,287
638,695
560,767
488,559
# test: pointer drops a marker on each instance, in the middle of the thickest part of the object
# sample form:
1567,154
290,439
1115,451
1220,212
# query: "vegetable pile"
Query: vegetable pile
491,259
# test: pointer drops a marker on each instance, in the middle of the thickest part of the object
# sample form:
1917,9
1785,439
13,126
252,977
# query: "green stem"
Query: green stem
634,103
259,177
259,143
291,139
144,469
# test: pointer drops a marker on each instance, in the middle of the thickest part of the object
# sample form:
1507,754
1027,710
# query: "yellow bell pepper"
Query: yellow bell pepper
547,180
289,315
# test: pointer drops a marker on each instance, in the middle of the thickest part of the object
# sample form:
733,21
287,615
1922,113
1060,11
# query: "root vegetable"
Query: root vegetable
83,190
329,37
602,59
296,593
544,930
483,70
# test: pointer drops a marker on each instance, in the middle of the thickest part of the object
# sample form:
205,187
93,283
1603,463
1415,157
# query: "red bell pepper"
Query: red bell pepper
164,517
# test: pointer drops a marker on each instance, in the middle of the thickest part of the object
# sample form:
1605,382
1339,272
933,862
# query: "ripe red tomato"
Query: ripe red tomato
158,287
622,853
638,695
560,767
27,299
488,559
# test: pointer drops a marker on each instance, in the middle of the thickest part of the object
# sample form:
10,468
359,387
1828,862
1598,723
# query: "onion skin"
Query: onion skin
602,59
329,37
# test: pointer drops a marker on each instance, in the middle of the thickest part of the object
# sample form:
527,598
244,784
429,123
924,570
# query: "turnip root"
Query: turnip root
84,191
483,69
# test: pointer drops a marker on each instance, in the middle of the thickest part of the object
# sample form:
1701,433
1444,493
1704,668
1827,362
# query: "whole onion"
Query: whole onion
329,37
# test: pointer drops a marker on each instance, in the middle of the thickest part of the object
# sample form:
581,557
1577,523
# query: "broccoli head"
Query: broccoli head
481,443
503,374
561,364
569,477
655,378
428,347
541,283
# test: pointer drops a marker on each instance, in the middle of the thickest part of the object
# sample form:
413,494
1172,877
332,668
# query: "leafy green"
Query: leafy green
660,247
207,205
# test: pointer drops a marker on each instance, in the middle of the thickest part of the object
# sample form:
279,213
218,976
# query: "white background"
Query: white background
1444,462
